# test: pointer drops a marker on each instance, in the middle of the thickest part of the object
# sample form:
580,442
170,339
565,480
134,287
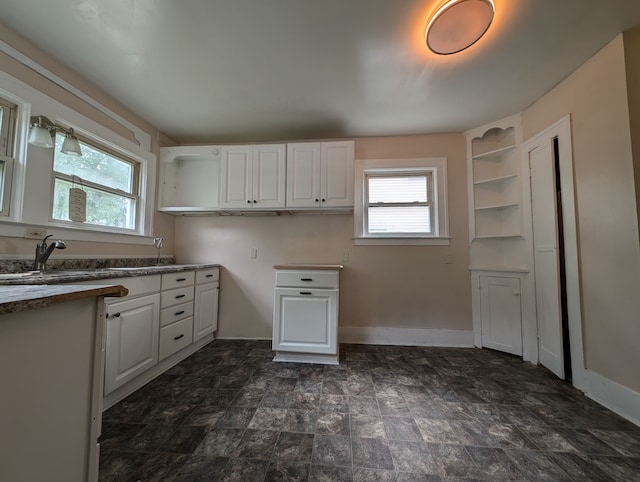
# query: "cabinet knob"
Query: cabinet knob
117,315
209,276
181,279
306,279
255,201
178,313
178,337
324,200
317,200
305,292
248,201
180,296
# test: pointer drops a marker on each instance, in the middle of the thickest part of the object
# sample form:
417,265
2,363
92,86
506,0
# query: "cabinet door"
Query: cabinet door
501,315
336,179
236,177
132,339
205,310
303,175
269,176
305,321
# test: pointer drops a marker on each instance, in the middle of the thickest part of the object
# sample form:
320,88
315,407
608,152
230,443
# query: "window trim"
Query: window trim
6,182
81,182
438,168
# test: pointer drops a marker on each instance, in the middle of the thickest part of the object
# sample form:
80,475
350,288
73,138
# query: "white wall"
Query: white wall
609,252
381,286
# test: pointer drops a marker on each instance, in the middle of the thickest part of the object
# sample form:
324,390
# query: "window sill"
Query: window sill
17,230
391,241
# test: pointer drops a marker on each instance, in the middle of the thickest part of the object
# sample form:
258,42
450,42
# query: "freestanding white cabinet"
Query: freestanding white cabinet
253,177
305,319
320,174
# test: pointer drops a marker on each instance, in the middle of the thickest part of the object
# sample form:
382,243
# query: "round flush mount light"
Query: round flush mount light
458,24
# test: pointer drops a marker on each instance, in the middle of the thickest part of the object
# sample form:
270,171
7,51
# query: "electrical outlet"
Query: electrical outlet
345,258
35,233
449,259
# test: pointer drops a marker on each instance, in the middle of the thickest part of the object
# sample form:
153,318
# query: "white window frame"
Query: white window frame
437,167
32,168
7,140
134,195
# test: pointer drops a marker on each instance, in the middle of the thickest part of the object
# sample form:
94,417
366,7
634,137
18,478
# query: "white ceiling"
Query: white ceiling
258,70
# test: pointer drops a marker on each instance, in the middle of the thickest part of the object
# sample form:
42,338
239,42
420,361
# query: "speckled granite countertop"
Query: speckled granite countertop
68,276
40,290
14,299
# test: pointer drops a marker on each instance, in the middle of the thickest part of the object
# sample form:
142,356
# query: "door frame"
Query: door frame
561,130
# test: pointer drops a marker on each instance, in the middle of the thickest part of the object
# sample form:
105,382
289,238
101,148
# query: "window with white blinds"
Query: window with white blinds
399,203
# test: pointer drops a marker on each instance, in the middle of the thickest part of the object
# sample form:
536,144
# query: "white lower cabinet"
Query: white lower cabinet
305,319
163,319
132,339
205,310
501,313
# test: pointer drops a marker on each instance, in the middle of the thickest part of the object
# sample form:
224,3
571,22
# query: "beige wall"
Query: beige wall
163,224
609,255
381,286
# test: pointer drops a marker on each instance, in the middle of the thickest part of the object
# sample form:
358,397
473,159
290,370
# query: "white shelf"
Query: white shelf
497,206
494,153
496,180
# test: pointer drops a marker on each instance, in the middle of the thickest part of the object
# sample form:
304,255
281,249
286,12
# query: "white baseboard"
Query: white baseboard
617,398
404,336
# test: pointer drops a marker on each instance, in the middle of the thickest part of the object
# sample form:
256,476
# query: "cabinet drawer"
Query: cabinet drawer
307,279
175,337
177,280
174,297
175,313
207,275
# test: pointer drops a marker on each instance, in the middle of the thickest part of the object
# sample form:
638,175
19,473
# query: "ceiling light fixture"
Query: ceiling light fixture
43,133
458,24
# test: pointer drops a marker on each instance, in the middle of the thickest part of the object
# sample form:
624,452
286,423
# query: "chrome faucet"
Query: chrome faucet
43,252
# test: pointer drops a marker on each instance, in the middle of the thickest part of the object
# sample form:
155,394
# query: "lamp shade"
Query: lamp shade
40,136
71,146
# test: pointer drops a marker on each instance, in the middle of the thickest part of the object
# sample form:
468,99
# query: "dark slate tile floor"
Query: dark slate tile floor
386,413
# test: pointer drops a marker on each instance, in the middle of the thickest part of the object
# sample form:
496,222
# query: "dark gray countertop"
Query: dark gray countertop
40,290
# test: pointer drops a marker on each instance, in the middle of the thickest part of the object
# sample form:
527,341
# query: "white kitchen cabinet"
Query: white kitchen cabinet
500,312
305,319
176,317
206,303
253,177
320,175
189,179
132,339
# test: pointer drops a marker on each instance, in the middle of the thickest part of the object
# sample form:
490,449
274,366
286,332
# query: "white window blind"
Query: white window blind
399,204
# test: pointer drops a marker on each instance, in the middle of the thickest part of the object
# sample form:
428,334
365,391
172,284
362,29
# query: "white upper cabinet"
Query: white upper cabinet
189,179
320,174
253,177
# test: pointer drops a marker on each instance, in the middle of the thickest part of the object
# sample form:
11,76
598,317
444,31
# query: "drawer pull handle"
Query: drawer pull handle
180,296
117,315
178,313
178,337
306,279
209,276
305,292
181,279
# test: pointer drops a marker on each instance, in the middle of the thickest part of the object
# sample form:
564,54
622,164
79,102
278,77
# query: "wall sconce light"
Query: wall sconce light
43,133
458,24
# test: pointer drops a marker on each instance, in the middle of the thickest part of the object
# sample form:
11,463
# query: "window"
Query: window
7,135
110,181
401,202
